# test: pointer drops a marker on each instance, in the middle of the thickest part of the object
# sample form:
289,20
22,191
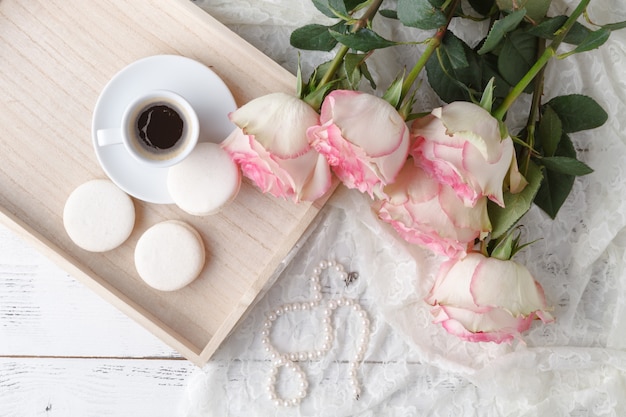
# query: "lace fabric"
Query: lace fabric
575,366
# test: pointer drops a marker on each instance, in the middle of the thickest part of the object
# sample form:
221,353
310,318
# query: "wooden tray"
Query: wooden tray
55,58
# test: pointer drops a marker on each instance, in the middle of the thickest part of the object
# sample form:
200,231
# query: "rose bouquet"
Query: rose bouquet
456,179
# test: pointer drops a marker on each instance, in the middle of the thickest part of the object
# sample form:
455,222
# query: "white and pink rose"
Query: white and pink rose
271,147
430,214
460,145
364,139
482,299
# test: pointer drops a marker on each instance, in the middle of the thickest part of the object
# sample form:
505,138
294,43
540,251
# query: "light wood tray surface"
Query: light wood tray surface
56,56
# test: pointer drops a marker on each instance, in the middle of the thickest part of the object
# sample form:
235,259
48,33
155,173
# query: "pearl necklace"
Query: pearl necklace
291,361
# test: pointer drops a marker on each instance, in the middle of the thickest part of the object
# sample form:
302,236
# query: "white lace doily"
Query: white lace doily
573,367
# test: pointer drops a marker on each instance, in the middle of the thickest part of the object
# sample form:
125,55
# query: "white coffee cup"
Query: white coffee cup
159,128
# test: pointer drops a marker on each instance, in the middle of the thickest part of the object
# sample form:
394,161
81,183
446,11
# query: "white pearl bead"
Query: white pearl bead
332,305
265,332
317,271
279,311
349,302
339,268
317,297
323,265
271,316
343,276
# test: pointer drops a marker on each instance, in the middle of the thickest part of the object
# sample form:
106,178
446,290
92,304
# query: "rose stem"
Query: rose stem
341,53
547,54
431,46
534,108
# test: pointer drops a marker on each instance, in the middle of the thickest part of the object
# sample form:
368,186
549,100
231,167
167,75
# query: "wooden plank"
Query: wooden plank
55,57
46,312
92,388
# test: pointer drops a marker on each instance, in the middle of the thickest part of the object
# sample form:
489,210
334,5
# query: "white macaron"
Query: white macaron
206,181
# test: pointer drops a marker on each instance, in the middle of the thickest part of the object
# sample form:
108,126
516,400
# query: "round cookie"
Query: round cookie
98,216
169,255
205,181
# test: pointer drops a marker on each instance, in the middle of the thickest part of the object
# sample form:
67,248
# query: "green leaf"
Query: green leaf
515,205
313,37
486,101
336,8
535,9
517,56
556,186
367,75
364,40
615,26
351,5
394,92
484,7
453,84
353,65
548,28
324,7
594,40
455,51
566,165
388,13
420,14
549,130
500,28
578,112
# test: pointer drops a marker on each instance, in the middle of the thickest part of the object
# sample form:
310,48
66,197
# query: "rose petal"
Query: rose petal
508,285
495,325
278,121
474,124
452,286
381,135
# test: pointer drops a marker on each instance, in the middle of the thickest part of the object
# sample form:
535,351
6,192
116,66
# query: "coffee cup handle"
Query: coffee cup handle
111,136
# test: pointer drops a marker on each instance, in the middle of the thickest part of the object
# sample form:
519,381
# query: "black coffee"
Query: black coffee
160,127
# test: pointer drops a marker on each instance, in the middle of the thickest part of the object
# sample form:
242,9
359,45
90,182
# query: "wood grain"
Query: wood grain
55,57
91,388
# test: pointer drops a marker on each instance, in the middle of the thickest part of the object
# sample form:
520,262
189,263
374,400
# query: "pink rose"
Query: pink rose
363,137
481,299
460,145
430,214
271,148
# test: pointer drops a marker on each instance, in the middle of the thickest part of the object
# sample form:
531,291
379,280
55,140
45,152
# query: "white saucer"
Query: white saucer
205,91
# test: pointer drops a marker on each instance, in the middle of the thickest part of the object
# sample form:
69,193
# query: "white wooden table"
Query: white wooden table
66,352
